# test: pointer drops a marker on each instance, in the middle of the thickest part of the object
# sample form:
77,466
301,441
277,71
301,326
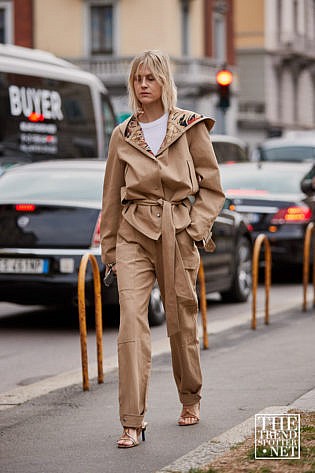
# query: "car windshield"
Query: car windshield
262,181
288,153
65,185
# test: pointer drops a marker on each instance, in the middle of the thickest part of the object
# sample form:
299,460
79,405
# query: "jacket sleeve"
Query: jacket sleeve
111,203
210,198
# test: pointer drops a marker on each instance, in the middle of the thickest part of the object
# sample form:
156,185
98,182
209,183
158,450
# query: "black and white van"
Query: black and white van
50,109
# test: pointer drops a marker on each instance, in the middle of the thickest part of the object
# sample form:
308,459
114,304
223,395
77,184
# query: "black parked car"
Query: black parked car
229,149
269,197
49,217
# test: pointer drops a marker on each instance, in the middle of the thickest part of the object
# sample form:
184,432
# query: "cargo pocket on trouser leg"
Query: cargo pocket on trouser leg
126,255
186,286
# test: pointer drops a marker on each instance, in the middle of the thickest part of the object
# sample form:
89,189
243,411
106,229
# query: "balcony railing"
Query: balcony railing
113,71
251,112
297,44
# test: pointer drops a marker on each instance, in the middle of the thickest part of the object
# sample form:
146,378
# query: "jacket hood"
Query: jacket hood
179,121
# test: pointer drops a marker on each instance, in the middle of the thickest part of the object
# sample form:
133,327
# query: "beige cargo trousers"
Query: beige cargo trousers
174,262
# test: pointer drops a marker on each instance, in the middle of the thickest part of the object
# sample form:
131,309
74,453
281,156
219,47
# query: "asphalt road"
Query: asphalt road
244,371
37,343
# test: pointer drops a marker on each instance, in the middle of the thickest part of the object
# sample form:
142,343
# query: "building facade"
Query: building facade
103,35
275,44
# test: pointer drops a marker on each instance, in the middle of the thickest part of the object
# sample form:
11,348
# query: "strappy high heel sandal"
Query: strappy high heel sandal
190,415
128,441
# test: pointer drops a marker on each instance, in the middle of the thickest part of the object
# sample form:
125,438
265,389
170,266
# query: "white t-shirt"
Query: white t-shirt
154,132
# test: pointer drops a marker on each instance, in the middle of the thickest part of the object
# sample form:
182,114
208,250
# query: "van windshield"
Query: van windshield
42,118
288,153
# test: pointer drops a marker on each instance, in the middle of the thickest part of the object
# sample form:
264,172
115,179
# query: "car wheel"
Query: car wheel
242,276
156,308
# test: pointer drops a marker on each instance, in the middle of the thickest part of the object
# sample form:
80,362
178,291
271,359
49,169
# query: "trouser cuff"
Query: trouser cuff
189,399
131,421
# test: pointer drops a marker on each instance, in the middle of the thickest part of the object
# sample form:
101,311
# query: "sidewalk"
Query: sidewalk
66,430
209,451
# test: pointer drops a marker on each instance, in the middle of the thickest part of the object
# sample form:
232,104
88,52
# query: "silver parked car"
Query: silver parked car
296,149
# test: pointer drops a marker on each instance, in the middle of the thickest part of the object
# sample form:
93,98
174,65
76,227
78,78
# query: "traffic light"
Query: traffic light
224,79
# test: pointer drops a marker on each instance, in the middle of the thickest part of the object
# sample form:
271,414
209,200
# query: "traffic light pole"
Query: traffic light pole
220,126
224,79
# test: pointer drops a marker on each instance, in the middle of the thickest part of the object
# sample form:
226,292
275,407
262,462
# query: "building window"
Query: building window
279,19
220,9
219,33
185,27
295,17
5,22
100,27
2,26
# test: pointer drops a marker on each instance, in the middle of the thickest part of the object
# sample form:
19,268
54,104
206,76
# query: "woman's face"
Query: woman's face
148,90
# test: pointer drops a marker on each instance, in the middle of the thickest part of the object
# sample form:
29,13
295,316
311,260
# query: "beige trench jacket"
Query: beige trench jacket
155,193
184,166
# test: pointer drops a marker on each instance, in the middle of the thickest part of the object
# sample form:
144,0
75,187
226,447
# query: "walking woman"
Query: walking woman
162,193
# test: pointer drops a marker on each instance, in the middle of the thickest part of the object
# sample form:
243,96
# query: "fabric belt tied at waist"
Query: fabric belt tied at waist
172,261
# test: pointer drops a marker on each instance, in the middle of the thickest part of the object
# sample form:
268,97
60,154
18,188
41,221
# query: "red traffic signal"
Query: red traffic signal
224,78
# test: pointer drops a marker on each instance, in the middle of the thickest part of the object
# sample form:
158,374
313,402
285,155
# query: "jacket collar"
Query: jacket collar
179,121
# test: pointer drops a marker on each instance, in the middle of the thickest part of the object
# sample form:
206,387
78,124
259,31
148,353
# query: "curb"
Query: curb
208,451
23,394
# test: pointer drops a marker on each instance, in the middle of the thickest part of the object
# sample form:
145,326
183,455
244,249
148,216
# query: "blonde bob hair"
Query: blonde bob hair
159,65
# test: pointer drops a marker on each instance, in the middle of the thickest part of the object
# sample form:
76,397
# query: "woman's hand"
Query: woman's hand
110,274
110,266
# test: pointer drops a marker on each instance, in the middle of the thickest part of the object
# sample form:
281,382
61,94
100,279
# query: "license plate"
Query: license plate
23,265
251,217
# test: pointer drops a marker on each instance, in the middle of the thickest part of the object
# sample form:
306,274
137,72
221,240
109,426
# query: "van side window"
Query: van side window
46,118
110,121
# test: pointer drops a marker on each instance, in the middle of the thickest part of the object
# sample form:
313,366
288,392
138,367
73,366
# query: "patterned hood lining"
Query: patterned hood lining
179,121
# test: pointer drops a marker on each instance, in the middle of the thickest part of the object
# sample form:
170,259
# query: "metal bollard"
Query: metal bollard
257,246
98,318
203,304
310,229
